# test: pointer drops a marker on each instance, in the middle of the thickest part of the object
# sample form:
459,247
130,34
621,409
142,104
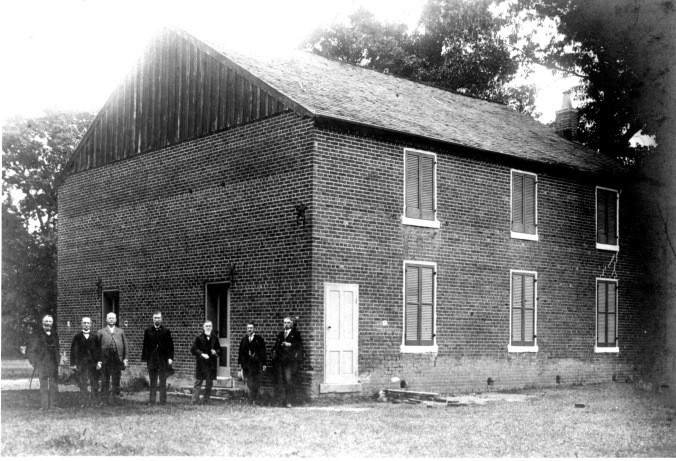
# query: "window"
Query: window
419,307
420,189
111,303
523,318
607,204
524,205
606,316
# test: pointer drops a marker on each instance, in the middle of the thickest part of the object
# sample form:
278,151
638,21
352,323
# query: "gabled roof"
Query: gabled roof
341,91
184,87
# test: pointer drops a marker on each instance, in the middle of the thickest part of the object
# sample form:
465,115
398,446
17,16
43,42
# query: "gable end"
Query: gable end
175,92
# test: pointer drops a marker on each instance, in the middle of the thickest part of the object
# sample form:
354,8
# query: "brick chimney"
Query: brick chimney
566,120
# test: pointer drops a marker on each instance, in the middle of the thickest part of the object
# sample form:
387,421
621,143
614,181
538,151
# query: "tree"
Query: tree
364,41
35,152
28,281
608,46
462,50
458,47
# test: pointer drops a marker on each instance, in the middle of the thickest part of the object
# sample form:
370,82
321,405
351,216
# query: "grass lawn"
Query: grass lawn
618,420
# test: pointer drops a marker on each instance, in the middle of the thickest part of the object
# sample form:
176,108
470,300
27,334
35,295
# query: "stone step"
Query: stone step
217,391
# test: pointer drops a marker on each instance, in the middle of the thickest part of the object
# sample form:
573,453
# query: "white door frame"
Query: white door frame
354,385
221,372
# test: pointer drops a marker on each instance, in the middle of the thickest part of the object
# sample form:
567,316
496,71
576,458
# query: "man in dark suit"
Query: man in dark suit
206,348
252,360
44,355
287,354
158,352
83,356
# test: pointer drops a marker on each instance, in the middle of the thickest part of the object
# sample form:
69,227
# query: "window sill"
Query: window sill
522,236
604,246
517,349
420,222
418,349
607,350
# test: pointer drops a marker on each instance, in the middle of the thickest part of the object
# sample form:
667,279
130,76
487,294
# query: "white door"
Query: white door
218,311
341,307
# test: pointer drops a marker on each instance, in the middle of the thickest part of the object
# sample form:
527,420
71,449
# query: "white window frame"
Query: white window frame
522,235
418,349
616,348
605,246
534,347
433,224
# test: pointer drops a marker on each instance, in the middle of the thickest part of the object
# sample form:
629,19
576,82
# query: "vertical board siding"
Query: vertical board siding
175,93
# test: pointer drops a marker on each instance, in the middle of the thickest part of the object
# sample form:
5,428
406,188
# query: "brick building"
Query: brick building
414,233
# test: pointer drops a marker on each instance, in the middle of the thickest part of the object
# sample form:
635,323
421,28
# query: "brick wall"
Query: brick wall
359,238
158,226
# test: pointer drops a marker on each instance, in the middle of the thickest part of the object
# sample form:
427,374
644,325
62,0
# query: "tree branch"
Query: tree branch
666,231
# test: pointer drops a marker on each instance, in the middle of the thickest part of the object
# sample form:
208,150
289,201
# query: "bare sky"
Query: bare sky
71,54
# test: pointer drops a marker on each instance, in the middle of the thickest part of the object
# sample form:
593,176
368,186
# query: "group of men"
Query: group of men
286,357
102,356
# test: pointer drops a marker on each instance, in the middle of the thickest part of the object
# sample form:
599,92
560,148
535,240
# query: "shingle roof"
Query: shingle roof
346,92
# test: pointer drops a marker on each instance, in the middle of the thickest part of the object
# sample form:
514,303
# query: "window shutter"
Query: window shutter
517,308
601,314
529,204
517,202
601,217
612,314
606,313
412,306
413,185
611,201
419,316
523,310
529,310
427,187
427,306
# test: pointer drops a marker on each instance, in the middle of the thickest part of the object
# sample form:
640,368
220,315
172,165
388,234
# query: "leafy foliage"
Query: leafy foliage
366,42
458,47
34,153
462,50
610,46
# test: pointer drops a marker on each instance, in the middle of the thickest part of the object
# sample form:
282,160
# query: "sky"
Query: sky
71,54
